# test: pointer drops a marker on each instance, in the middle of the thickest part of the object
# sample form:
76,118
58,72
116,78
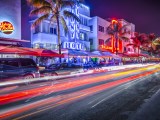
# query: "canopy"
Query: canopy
45,53
102,54
15,50
28,51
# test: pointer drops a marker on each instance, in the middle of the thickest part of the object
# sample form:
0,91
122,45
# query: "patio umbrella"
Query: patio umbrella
46,53
15,50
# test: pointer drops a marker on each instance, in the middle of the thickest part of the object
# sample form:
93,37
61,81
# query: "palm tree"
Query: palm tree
140,40
152,41
54,10
116,31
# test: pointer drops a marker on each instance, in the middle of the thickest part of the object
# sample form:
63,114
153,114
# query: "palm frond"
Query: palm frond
53,19
124,38
63,22
71,15
41,10
108,40
39,20
132,44
110,31
125,32
123,27
64,4
38,3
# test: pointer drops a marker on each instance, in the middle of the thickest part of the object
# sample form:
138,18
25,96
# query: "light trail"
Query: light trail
79,94
63,86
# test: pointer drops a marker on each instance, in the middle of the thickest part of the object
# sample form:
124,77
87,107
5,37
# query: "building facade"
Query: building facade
98,36
45,35
10,19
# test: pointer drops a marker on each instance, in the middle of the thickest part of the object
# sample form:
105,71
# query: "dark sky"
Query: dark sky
145,14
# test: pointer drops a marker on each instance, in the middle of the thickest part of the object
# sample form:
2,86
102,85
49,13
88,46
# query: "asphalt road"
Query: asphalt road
116,95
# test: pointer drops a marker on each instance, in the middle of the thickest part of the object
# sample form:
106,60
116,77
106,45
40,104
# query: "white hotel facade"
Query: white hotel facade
45,35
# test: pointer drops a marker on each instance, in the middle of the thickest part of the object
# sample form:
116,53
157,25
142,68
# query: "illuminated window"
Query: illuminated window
45,45
101,42
37,45
48,45
82,36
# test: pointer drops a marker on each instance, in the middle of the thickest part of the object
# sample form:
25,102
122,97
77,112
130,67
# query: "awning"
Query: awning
102,54
28,51
62,51
15,50
46,53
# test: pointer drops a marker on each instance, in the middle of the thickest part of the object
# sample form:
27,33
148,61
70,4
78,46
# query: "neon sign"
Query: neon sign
74,25
6,27
73,45
112,47
108,48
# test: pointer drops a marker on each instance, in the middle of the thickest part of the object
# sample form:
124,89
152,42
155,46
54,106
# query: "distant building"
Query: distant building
98,36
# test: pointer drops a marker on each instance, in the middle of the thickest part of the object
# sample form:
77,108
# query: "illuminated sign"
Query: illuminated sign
73,45
74,25
6,27
113,46
108,48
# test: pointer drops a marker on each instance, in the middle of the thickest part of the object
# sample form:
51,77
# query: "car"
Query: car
18,68
60,69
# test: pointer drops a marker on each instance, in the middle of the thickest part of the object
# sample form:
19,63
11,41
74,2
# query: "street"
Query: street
114,95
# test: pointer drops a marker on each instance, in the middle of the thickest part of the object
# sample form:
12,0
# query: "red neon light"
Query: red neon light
106,47
6,27
114,21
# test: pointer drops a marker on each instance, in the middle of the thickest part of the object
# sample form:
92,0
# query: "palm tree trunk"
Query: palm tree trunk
116,46
59,39
151,48
138,51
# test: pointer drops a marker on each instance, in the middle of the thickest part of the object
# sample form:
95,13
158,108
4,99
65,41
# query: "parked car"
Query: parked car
18,68
60,69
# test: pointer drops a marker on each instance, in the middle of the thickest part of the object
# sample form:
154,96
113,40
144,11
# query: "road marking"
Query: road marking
106,98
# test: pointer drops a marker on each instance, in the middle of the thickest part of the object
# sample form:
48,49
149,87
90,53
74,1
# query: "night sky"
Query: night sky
145,14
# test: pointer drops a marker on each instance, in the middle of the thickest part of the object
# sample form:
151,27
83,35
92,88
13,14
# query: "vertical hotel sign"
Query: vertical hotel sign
6,27
75,24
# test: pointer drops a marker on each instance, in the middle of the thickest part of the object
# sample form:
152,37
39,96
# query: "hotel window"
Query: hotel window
55,31
91,28
124,49
129,49
91,41
37,29
101,42
81,35
85,22
101,29
45,27
51,30
81,18
37,45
